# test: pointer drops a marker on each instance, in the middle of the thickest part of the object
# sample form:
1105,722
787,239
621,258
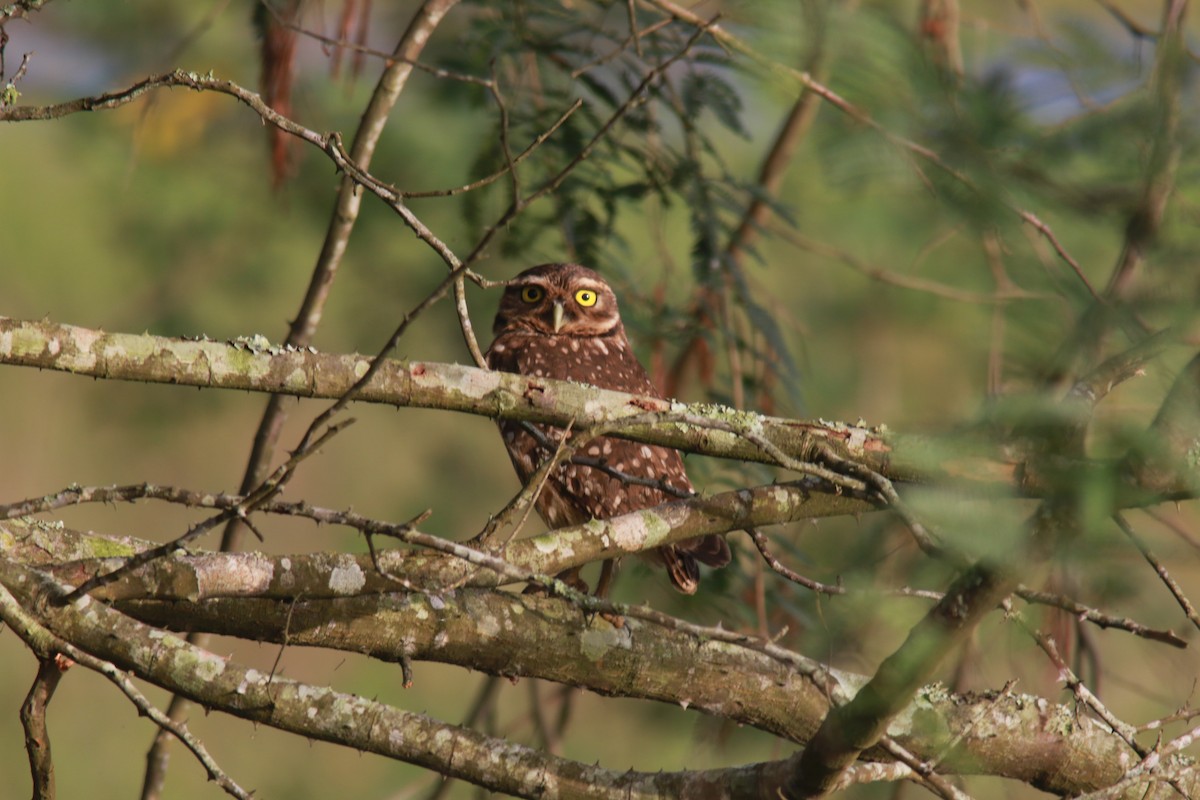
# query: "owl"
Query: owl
561,321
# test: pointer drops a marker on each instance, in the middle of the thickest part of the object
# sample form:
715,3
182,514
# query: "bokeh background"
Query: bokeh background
161,216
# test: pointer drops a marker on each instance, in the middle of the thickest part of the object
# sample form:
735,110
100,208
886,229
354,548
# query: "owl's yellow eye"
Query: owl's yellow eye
531,294
585,297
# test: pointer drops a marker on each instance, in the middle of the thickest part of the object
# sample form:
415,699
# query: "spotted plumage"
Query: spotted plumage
561,321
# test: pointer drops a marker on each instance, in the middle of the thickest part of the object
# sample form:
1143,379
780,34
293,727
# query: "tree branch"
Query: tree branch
327,715
33,721
704,429
301,372
534,636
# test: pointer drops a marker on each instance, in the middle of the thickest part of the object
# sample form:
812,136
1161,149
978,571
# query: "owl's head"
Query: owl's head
558,300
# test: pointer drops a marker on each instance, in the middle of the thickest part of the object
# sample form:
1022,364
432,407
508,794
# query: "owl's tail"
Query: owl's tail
680,560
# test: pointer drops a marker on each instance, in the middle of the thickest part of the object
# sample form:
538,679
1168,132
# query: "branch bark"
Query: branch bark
37,735
1044,744
320,713
255,365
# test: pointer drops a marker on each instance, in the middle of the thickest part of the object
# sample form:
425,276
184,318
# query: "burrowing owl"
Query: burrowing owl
561,321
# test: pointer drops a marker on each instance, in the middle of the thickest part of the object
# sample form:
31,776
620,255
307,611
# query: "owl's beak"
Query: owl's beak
558,315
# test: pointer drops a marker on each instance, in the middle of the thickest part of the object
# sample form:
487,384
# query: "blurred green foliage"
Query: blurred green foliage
160,217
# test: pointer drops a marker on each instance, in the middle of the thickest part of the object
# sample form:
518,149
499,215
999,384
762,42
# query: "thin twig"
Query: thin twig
923,771
929,543
901,280
1083,695
1082,612
760,541
1172,585
1124,730
526,499
268,489
1099,618
387,58
1175,525
516,160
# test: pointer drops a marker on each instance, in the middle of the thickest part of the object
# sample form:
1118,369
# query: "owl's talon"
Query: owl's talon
616,620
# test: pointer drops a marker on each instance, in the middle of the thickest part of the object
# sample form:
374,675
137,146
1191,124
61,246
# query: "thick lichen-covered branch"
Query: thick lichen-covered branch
522,635
322,713
530,636
73,556
255,365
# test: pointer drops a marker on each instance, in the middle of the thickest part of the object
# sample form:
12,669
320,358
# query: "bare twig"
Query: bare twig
1099,618
1172,585
389,59
1084,696
33,721
9,93
1156,761
1175,525
1135,28
1124,730
537,142
525,500
929,543
760,542
265,491
924,772
893,278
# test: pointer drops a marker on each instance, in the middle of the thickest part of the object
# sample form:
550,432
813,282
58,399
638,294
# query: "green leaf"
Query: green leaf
708,91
